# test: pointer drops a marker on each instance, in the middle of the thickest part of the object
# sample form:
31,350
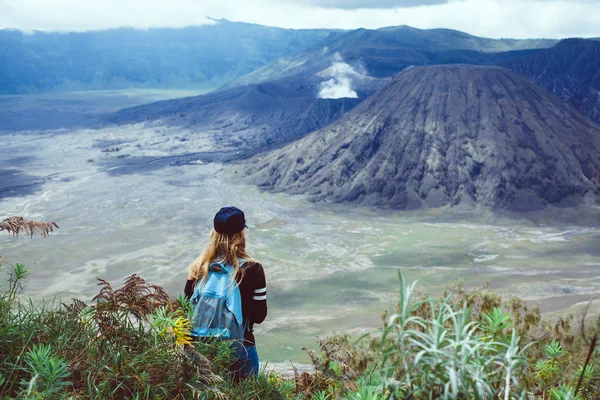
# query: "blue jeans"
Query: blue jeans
246,364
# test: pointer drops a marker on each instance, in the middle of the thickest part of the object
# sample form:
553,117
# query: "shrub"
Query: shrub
443,354
469,344
132,342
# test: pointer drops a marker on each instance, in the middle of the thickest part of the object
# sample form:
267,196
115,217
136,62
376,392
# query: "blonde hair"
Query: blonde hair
221,247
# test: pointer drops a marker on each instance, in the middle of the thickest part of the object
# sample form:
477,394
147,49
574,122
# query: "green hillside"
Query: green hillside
204,56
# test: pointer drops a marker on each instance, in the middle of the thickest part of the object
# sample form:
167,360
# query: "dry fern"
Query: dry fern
114,309
76,308
333,353
136,296
15,225
307,384
333,366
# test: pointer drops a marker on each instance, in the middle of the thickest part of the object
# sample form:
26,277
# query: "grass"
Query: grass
133,342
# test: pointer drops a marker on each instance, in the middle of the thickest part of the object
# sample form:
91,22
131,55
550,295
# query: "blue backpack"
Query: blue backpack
217,304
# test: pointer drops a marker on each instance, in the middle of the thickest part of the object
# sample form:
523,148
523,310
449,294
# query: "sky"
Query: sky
489,18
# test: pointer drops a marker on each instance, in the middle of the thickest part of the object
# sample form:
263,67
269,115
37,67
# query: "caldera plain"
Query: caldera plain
139,199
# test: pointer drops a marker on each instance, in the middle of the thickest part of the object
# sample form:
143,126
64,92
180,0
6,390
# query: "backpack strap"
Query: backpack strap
221,267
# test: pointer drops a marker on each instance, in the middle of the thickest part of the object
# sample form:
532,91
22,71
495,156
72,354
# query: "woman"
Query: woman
227,247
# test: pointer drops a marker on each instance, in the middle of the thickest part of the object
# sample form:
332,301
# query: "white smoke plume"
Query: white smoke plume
340,84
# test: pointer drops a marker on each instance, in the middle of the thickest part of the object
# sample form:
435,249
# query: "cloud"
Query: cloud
362,4
340,84
83,15
489,18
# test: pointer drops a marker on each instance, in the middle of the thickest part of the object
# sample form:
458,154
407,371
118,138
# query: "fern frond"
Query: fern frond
15,225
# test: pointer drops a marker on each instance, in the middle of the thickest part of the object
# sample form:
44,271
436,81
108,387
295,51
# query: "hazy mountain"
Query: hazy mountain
387,51
251,118
458,135
571,70
203,57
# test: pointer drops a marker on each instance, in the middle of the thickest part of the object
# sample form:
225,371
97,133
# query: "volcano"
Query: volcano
457,135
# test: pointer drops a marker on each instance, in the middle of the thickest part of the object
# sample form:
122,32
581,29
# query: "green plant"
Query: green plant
495,324
548,368
16,275
589,379
430,349
48,373
321,395
184,304
366,393
564,392
555,352
173,324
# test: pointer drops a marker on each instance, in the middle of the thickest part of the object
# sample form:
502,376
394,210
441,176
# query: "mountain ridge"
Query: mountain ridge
570,69
386,51
213,55
204,56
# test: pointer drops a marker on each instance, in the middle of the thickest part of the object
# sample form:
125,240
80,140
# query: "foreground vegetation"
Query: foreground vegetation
133,342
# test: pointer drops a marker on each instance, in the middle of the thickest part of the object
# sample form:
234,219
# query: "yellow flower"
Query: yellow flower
274,379
181,330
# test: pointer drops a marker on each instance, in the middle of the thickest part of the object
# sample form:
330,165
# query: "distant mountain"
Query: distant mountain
205,56
387,51
444,135
571,70
253,118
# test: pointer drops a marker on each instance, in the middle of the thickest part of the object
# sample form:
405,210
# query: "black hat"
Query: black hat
230,220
